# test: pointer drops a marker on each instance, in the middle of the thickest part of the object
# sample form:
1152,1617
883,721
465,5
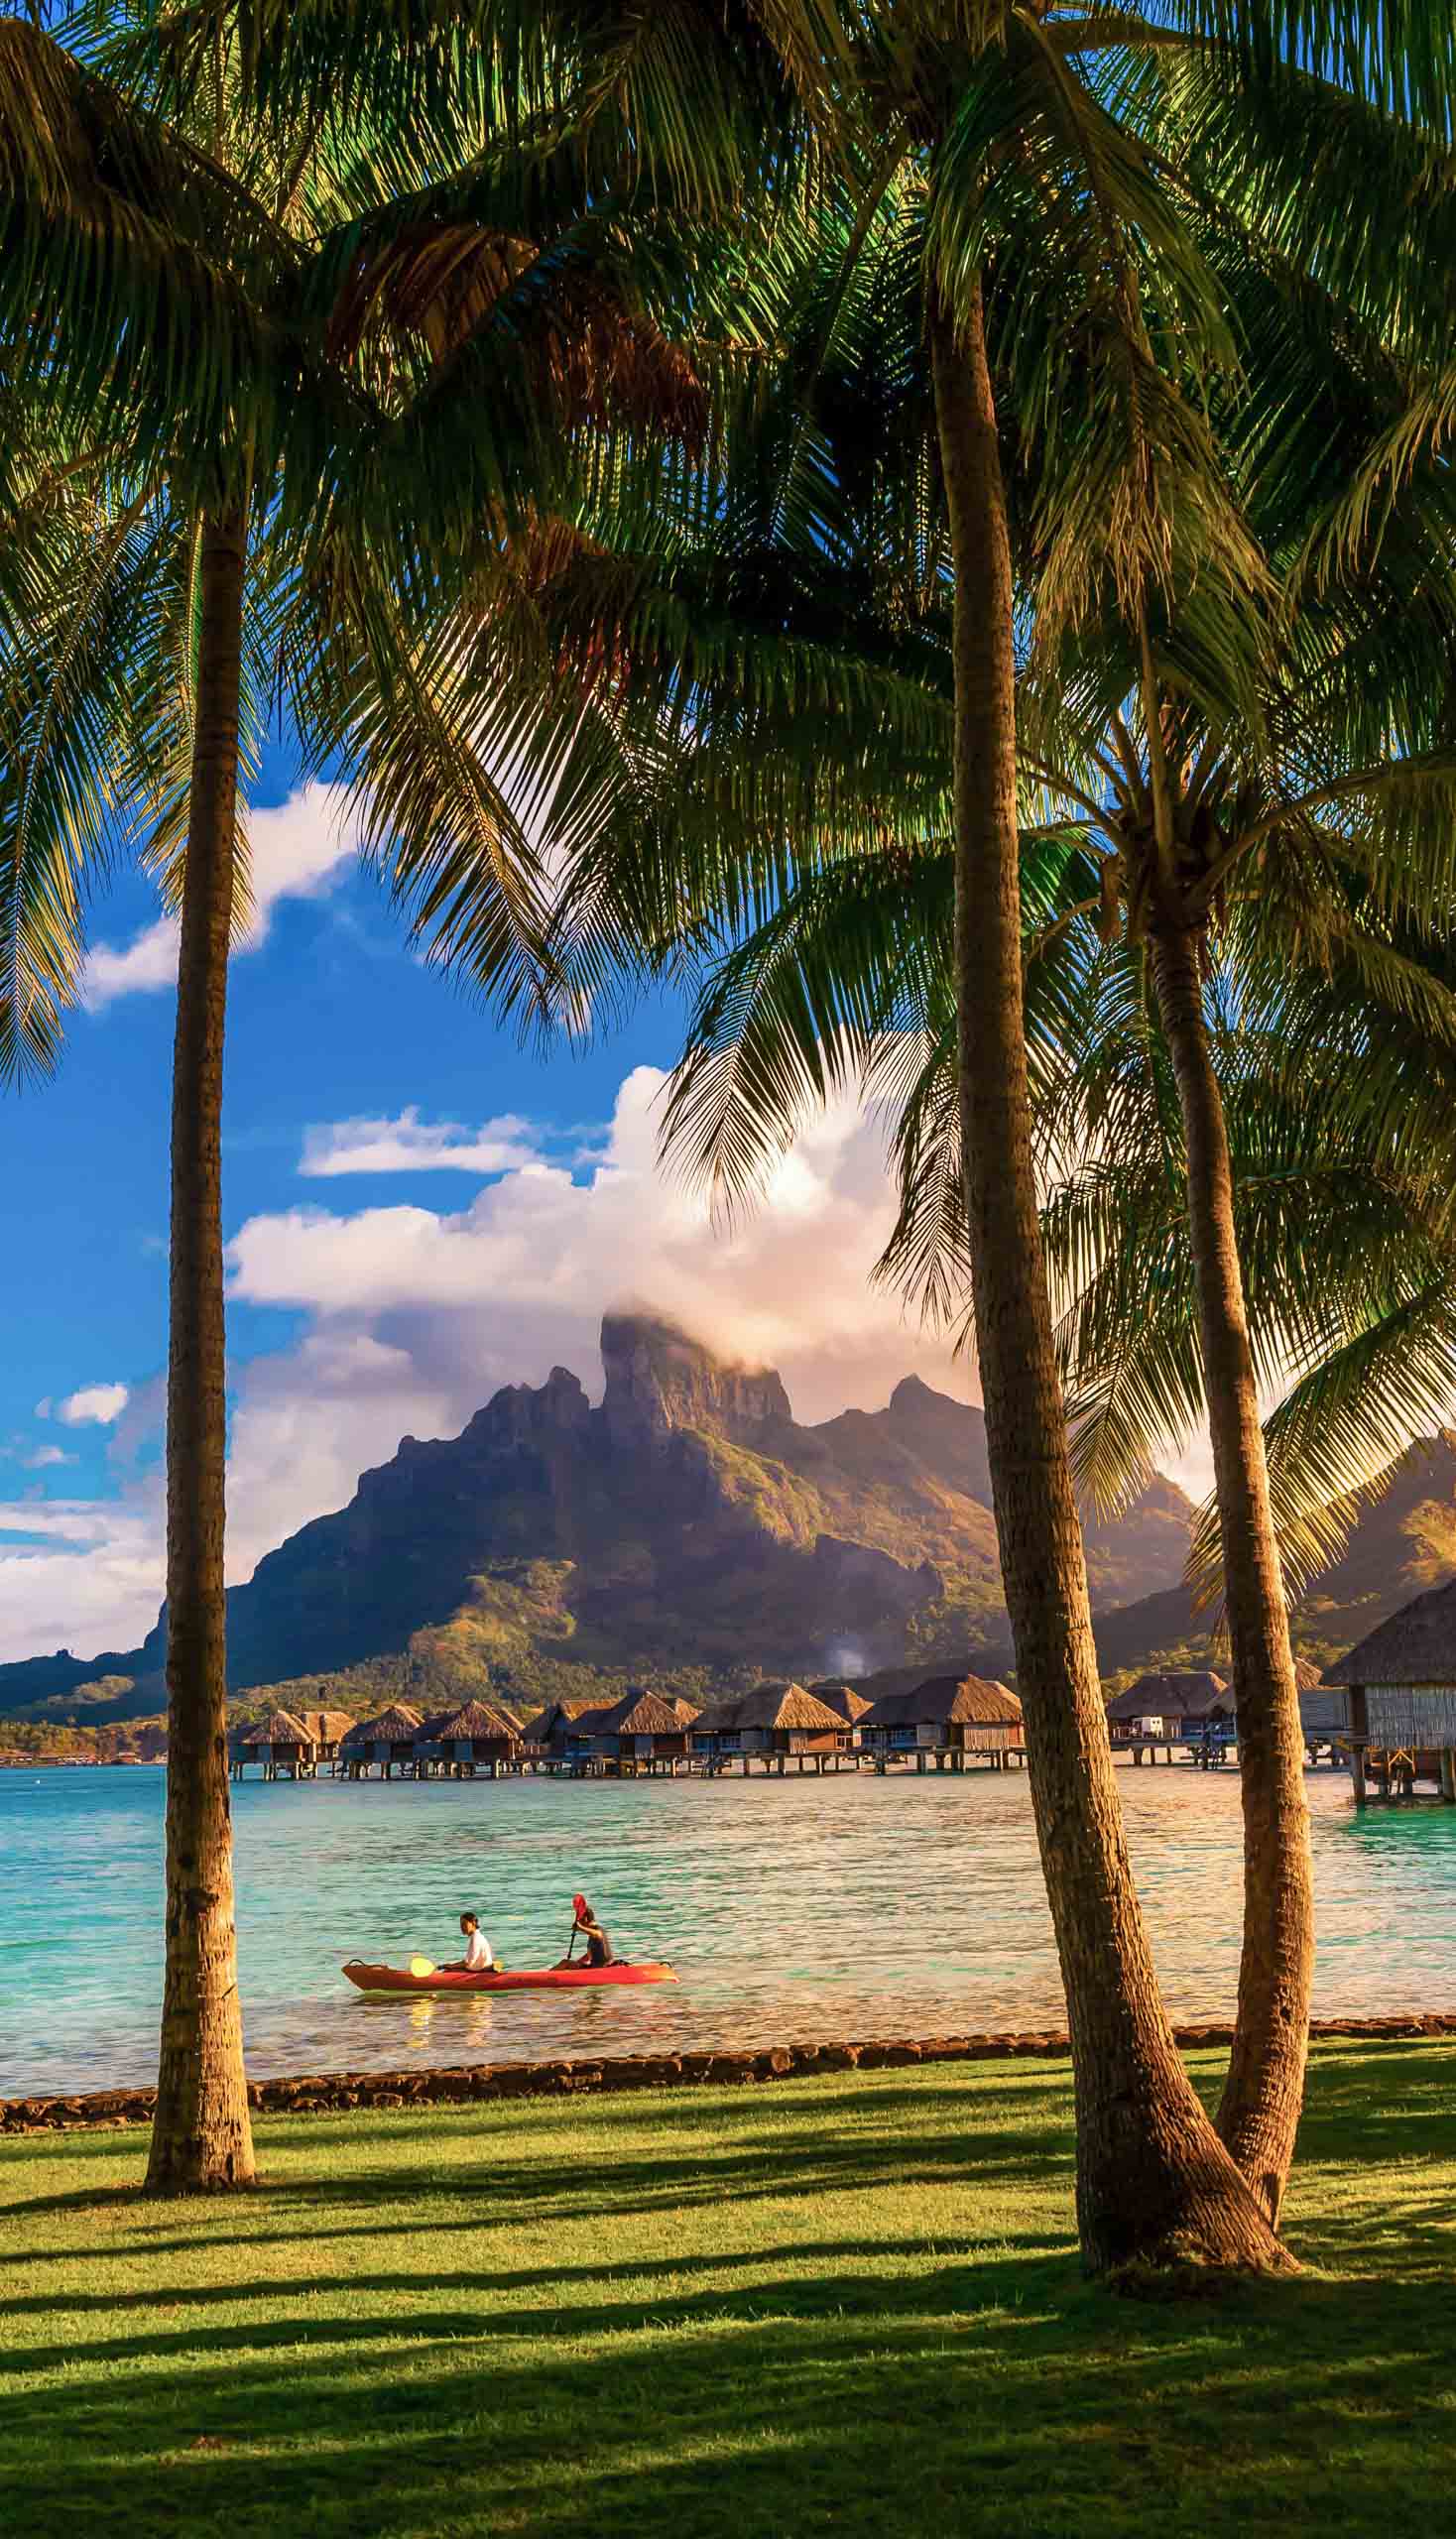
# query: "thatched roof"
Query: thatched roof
328,1726
785,1706
848,1705
566,1714
280,1728
399,1725
474,1719
716,1720
646,1715
1306,1675
589,1719
1190,1696
1417,1646
970,1701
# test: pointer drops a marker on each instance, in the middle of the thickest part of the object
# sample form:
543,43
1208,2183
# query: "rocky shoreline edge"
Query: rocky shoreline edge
332,2093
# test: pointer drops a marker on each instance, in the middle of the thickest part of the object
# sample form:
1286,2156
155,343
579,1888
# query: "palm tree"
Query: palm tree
1147,2159
252,440
1165,498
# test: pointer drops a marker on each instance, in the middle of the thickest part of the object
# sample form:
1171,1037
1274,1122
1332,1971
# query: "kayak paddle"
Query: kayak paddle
421,1965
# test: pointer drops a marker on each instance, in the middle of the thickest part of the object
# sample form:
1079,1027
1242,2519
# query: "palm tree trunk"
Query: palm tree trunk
1264,2092
1154,2181
201,2135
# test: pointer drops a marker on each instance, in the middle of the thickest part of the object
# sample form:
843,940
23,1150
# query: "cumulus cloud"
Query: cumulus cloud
409,1143
518,1278
298,847
80,1575
130,968
94,1405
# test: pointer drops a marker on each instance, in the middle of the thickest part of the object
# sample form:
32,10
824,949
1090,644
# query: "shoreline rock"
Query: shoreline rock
335,2093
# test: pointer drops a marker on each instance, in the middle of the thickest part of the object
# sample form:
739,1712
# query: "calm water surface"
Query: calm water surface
792,1910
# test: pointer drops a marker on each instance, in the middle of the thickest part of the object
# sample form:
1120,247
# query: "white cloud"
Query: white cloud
518,1280
93,1580
148,961
94,1405
409,1143
298,847
46,1457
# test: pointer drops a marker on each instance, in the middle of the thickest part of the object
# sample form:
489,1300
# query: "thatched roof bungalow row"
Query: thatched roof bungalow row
773,1719
968,1713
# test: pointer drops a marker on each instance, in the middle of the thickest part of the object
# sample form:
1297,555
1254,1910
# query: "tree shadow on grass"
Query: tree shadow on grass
587,2179
993,2393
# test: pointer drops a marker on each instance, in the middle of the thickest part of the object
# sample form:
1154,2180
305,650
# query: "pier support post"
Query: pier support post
1448,1775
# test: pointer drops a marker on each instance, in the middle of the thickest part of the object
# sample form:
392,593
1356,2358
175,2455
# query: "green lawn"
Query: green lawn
850,2304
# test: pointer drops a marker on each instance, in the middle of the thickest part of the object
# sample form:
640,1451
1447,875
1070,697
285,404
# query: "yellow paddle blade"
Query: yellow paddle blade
421,1965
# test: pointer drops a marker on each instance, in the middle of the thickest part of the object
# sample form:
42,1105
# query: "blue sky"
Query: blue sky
418,1210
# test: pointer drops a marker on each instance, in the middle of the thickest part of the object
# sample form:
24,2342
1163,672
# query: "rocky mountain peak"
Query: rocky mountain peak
519,1413
658,1380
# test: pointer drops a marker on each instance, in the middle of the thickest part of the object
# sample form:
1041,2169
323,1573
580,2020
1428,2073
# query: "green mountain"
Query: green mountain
688,1523
1403,1542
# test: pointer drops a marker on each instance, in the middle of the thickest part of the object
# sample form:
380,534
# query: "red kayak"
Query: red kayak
497,1979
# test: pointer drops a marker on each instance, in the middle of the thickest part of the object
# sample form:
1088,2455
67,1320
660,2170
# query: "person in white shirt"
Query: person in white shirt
477,1957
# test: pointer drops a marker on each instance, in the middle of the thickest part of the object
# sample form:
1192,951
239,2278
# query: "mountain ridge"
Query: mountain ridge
690,1518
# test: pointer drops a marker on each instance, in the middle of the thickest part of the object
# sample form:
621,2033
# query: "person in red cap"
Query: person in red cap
598,1946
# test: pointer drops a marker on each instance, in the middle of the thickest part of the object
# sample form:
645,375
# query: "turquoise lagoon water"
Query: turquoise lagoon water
793,1910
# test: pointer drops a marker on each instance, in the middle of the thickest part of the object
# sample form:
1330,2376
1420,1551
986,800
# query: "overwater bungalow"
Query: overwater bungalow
772,1723
385,1744
1399,1684
643,1732
282,1743
328,1729
478,1736
1171,1709
944,1719
550,1731
847,1704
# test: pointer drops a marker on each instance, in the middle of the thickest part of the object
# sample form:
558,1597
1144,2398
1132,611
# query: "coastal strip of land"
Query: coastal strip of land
851,2304
335,2093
